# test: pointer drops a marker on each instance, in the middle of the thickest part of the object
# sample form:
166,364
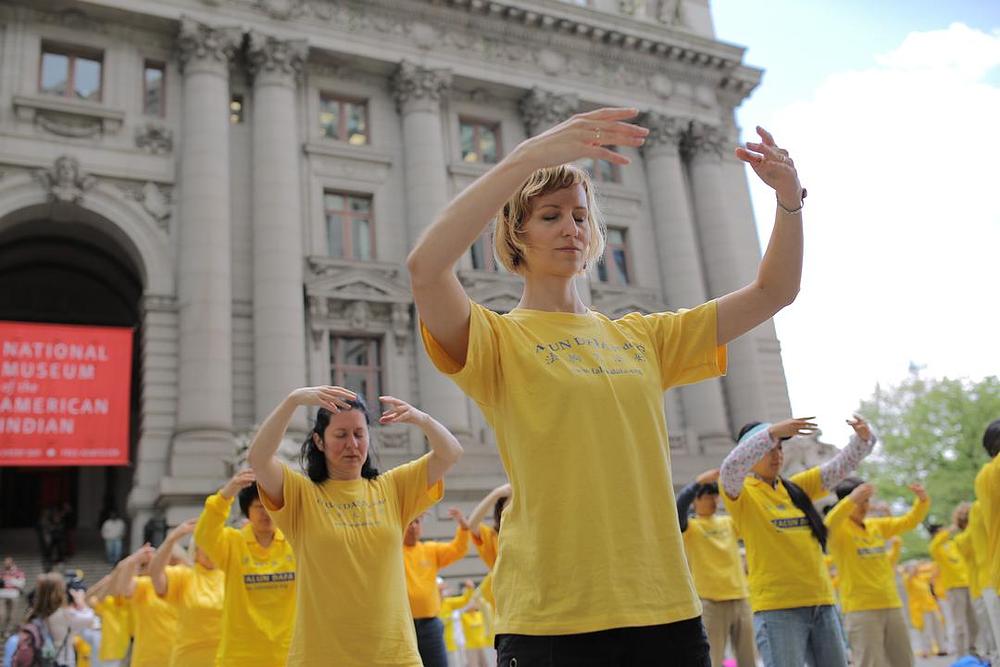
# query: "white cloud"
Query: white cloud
902,222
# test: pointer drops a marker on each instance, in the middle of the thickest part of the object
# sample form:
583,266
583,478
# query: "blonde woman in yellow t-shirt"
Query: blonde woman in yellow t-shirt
197,591
576,398
345,521
795,620
860,545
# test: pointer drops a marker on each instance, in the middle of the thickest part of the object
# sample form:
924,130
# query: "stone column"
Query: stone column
203,434
681,274
278,301
724,255
418,93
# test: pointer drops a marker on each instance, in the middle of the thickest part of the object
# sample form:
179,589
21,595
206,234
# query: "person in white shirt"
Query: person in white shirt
113,534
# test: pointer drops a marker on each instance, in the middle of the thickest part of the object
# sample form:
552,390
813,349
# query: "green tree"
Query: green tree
931,432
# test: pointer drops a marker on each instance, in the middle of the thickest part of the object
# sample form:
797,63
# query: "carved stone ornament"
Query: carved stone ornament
665,131
154,138
393,438
704,140
267,54
200,42
401,323
157,200
283,9
541,109
358,315
65,182
415,85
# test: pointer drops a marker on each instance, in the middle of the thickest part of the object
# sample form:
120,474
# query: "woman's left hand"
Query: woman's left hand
861,428
400,412
774,166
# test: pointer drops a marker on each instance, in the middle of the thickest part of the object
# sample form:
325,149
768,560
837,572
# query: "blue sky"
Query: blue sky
892,113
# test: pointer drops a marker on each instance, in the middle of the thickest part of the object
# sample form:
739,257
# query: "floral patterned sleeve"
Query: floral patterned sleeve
743,458
846,461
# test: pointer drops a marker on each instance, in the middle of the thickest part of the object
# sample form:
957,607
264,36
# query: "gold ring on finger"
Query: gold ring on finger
597,133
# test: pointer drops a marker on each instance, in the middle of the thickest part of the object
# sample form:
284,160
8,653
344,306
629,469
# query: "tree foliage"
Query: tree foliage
931,432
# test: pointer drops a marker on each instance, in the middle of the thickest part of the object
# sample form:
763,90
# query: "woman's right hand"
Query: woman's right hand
793,427
861,493
182,529
584,135
239,481
332,398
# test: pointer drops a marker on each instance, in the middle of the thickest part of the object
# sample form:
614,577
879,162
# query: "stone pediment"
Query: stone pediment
377,282
617,302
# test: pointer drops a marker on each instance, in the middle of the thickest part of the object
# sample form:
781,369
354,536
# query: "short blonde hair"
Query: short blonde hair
508,245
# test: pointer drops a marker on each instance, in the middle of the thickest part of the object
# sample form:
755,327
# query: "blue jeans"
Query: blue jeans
430,641
113,550
800,636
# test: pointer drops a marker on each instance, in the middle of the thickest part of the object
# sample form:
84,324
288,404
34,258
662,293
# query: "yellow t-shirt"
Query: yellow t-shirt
198,595
919,597
963,542
116,631
714,557
980,545
863,559
486,544
258,611
591,539
474,629
422,562
352,605
784,559
449,606
988,493
155,622
954,572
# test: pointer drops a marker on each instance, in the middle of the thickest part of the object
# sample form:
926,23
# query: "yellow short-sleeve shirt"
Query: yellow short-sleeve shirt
590,537
155,628
951,564
198,594
352,605
486,544
116,629
714,556
988,494
785,561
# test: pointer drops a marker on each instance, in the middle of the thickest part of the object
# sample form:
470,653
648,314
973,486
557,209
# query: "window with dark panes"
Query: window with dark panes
356,363
480,141
615,267
70,72
349,226
344,119
601,171
153,88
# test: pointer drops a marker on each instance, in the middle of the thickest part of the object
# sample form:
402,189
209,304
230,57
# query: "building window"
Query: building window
344,120
349,228
615,267
72,73
236,109
480,141
356,363
482,253
602,171
153,89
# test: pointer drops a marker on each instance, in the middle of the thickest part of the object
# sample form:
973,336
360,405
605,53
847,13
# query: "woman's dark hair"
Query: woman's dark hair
707,489
312,459
798,497
498,511
246,496
991,438
847,486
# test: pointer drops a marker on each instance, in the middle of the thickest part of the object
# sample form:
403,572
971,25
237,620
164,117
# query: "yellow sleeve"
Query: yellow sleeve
447,553
811,481
894,552
293,488
480,376
454,602
937,542
897,525
686,344
210,531
410,482
840,513
178,579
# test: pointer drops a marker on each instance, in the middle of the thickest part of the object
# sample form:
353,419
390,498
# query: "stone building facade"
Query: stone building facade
240,180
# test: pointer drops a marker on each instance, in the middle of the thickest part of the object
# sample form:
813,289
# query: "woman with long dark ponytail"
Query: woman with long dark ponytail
795,621
345,524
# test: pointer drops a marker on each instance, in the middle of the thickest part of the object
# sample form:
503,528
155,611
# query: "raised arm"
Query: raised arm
898,525
262,456
445,448
100,589
842,511
209,530
158,564
485,506
689,492
125,572
752,448
846,461
780,271
441,302
449,552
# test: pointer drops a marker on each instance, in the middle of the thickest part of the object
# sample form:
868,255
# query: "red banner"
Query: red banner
64,394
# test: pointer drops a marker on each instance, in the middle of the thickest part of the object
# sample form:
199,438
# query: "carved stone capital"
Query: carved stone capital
154,138
277,59
419,88
666,132
202,44
65,182
541,109
704,141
